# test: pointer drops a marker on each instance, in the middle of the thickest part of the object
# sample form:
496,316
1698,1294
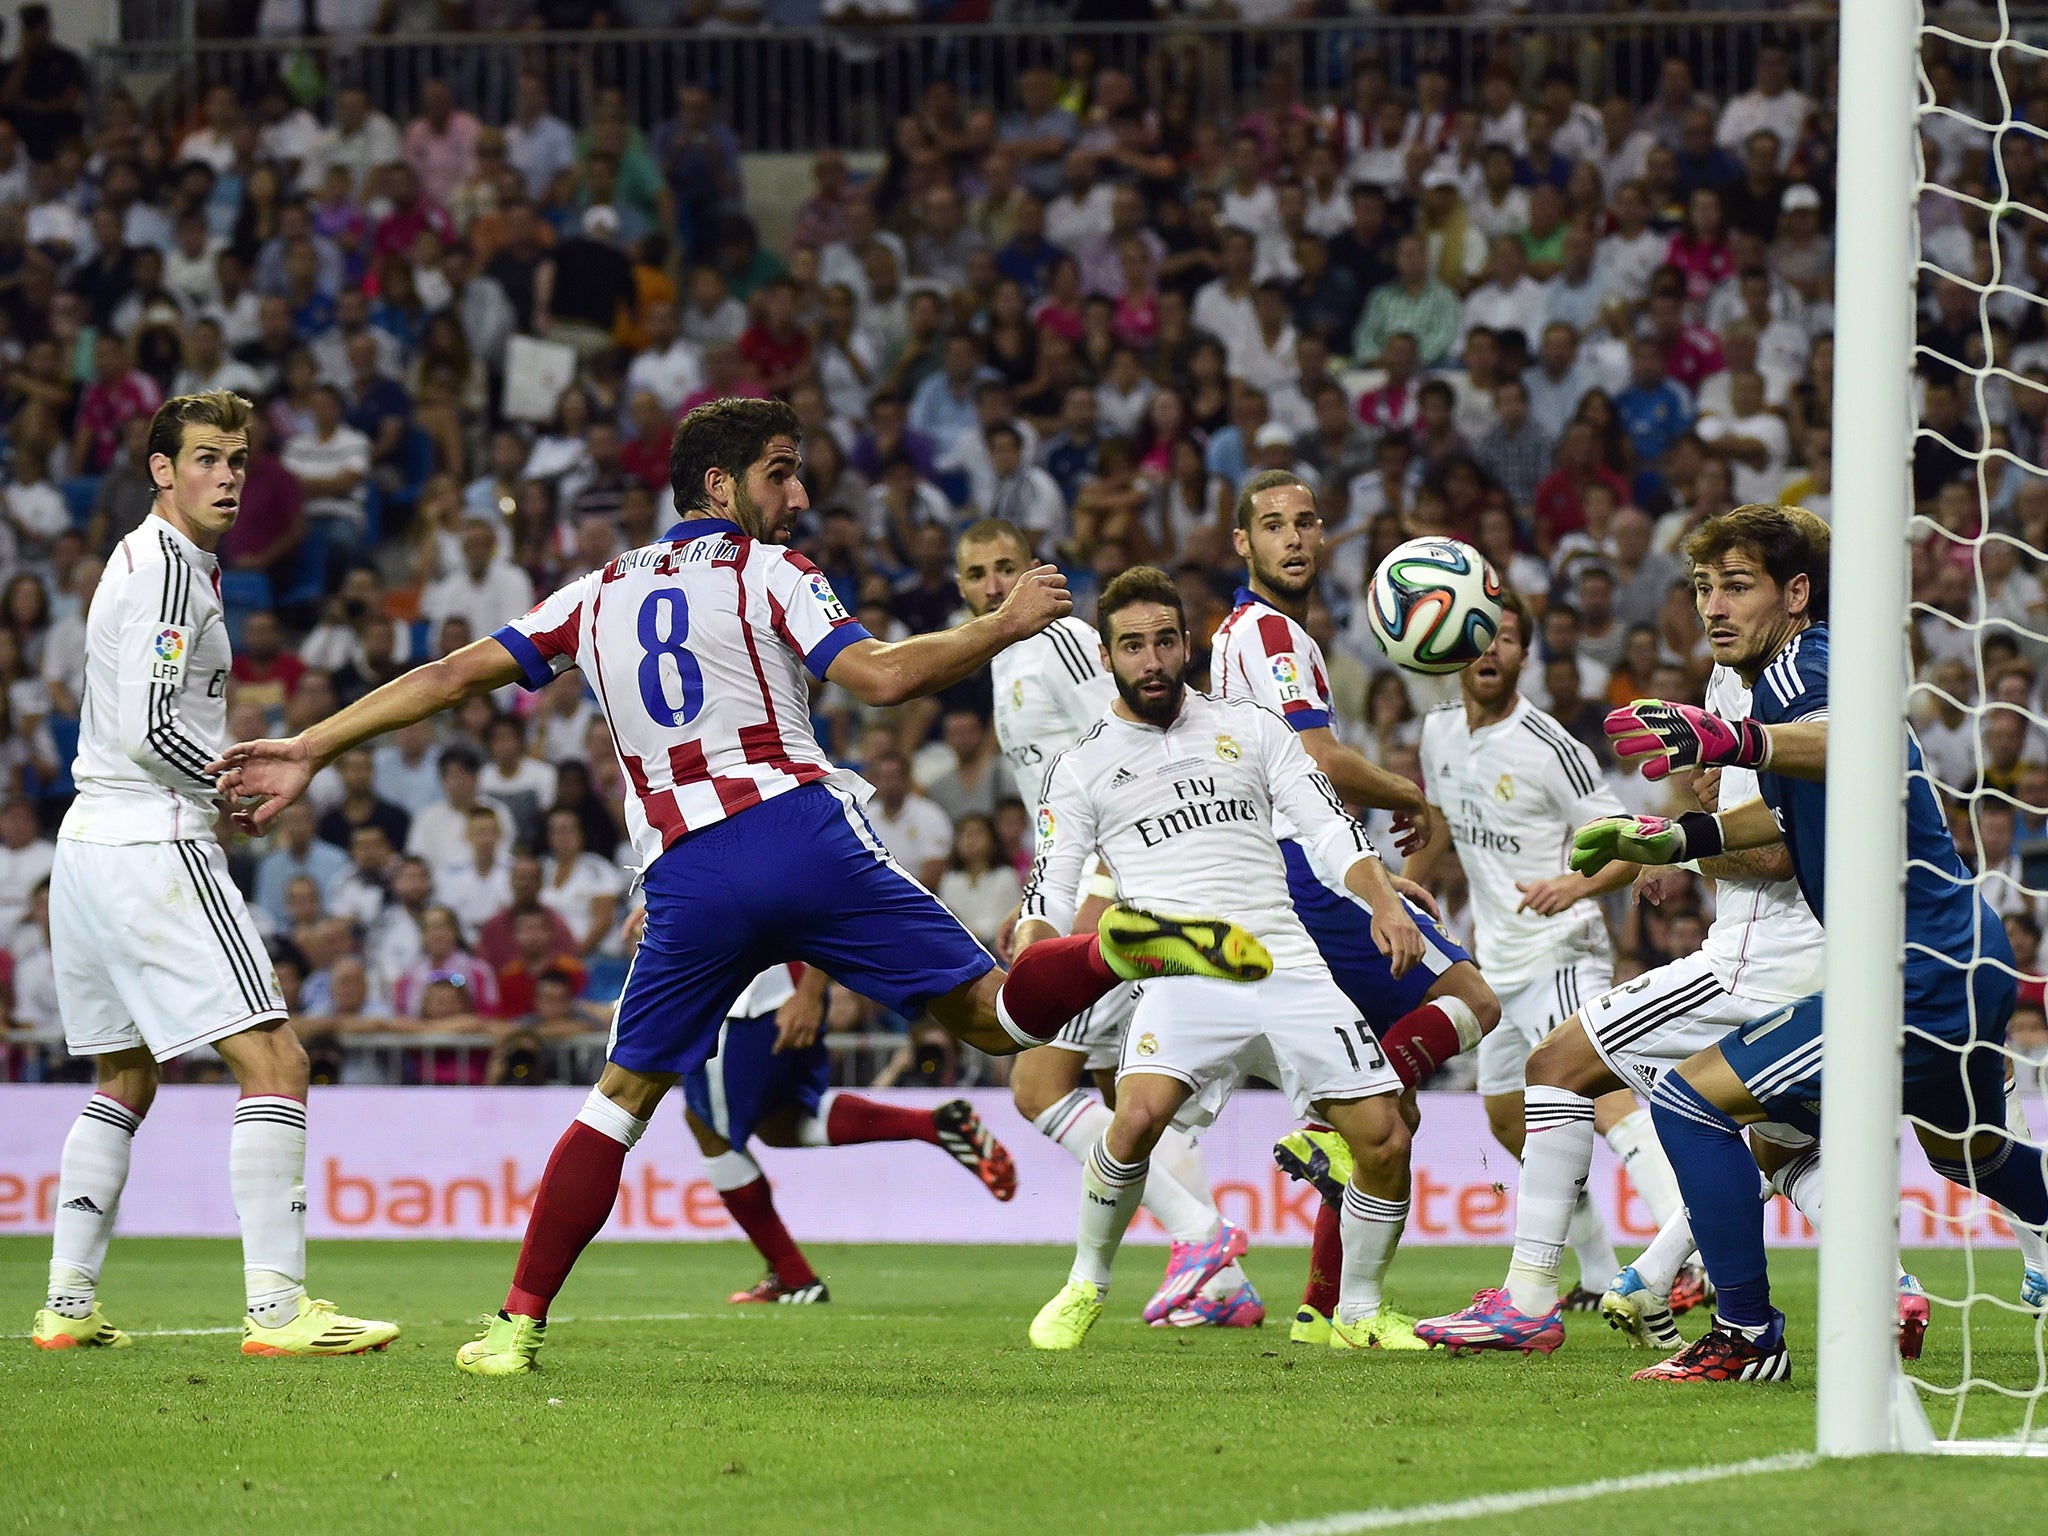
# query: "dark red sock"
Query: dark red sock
1418,1043
574,1199
1325,1261
753,1207
1052,981
850,1119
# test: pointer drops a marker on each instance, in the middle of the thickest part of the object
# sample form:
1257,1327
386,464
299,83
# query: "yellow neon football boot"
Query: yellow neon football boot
1063,1322
506,1348
1310,1327
1385,1329
1316,1155
1139,945
318,1330
54,1330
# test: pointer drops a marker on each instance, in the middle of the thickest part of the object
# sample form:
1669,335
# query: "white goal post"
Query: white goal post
1859,1386
1867,1403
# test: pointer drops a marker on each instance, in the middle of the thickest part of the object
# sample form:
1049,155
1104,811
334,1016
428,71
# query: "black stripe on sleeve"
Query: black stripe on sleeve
1567,751
1069,650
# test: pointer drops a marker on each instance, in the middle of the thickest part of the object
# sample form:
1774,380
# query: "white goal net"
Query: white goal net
1976,651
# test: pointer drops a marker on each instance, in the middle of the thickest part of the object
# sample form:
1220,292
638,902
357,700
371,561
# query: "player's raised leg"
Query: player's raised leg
90,1177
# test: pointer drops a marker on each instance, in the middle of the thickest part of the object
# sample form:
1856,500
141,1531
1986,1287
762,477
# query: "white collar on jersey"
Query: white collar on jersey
205,561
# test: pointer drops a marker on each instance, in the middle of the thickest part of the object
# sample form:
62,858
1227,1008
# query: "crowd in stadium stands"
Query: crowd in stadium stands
1564,329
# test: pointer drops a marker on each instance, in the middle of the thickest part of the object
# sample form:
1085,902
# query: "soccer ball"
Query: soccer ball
1434,605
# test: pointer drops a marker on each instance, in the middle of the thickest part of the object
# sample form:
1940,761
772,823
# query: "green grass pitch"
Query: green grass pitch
911,1403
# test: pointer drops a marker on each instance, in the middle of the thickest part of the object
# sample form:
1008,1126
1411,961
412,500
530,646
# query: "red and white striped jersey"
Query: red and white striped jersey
696,648
1261,654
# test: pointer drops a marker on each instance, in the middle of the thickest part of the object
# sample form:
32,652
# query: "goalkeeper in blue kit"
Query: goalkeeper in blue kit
1760,582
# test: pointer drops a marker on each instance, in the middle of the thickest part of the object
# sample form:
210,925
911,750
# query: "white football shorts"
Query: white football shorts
1531,1011
153,946
1295,1029
1097,1032
1645,1027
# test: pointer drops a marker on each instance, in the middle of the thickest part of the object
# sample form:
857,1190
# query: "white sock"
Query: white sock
810,1131
1080,1121
1557,1156
267,1173
2033,1250
1372,1231
90,1177
1180,1155
1634,1141
1597,1261
1109,1199
1658,1265
601,1114
731,1170
1799,1182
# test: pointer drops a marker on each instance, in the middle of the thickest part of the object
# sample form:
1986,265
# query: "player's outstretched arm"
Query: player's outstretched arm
1394,932
1359,779
880,673
276,772
1547,898
1657,840
1664,738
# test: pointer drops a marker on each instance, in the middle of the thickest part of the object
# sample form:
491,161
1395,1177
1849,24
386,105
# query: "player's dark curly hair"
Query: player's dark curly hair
1787,541
1139,584
723,434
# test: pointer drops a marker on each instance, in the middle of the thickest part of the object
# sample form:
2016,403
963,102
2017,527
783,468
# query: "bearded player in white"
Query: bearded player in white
1177,793
1510,786
1049,691
154,952
1764,949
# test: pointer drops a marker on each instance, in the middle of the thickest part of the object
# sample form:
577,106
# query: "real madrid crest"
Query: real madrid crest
1148,1044
1504,789
1226,748
1017,694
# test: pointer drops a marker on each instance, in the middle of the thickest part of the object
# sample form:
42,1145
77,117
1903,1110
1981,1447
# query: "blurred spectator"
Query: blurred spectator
443,959
298,851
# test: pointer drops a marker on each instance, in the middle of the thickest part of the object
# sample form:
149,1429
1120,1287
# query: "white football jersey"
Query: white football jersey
1260,654
1184,817
1049,689
696,647
765,993
1514,792
1765,942
154,712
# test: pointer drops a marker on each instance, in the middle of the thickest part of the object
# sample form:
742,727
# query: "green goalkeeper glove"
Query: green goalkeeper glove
1644,840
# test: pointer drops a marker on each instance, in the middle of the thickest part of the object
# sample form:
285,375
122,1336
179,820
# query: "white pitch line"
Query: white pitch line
612,1317
1529,1498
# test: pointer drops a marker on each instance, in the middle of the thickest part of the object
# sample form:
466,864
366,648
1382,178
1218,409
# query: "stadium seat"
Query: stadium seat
80,492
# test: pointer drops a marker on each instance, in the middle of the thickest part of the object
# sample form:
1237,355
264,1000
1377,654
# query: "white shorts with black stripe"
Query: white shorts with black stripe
1644,1028
1097,1032
1531,1011
153,946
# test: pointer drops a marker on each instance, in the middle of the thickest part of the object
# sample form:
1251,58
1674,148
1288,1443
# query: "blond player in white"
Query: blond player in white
153,950
1511,785
1763,949
1177,793
1049,691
